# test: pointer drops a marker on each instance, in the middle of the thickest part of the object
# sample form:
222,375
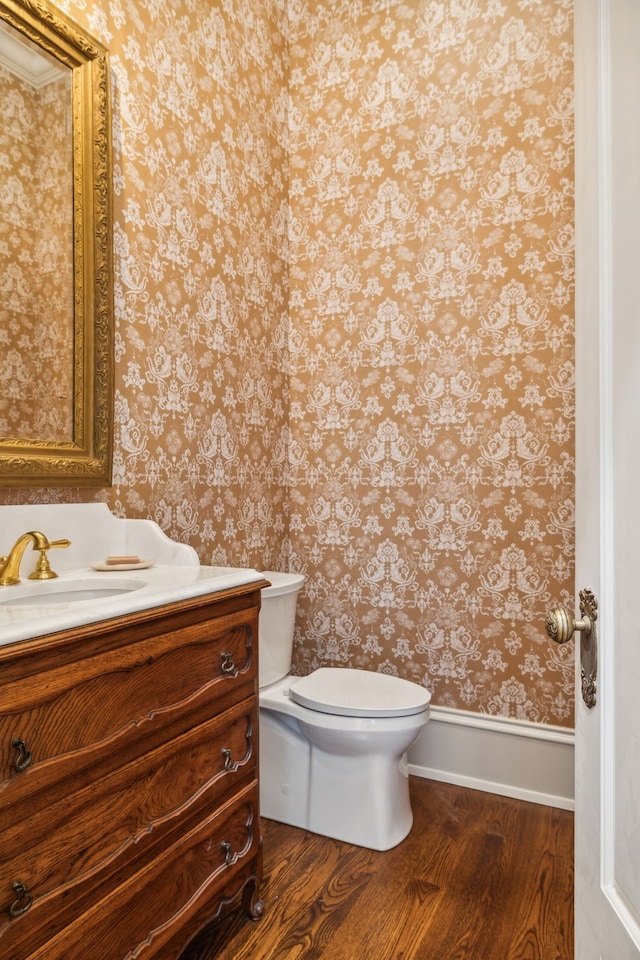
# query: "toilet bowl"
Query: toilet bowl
332,744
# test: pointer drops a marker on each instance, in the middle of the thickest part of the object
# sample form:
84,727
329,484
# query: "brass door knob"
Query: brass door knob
560,624
561,627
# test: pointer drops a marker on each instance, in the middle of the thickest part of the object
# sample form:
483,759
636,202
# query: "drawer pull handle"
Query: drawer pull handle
228,666
23,759
23,899
228,854
228,762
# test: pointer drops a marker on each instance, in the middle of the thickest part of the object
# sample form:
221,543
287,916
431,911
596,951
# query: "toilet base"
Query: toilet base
359,795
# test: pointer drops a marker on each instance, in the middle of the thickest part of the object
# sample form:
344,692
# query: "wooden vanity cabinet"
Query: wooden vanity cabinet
129,812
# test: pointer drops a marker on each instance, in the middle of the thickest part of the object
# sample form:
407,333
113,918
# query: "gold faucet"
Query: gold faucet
10,565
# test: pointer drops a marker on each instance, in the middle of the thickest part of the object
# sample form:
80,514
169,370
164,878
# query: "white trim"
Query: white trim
23,59
518,728
513,758
606,599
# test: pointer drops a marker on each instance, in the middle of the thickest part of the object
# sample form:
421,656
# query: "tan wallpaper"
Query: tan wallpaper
431,368
407,252
201,284
36,267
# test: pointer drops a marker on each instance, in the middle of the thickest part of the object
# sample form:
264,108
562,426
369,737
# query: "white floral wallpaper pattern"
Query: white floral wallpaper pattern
344,307
431,302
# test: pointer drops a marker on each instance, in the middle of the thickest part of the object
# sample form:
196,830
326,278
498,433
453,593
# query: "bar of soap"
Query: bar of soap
112,561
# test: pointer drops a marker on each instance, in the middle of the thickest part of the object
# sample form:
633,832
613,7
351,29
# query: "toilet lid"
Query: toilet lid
345,692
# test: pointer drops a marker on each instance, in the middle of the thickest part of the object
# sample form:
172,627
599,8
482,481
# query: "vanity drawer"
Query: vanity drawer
150,914
119,701
75,850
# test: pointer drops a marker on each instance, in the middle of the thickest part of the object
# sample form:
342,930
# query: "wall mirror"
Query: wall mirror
56,290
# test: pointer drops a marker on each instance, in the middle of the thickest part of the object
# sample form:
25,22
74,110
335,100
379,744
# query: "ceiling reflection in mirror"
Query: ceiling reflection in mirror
36,242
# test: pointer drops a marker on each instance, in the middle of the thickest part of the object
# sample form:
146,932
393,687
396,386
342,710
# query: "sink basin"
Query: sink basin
68,591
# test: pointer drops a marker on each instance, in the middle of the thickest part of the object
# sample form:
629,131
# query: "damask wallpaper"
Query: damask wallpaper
431,259
199,98
344,307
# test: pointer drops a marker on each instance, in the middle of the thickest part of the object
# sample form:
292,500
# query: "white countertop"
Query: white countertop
155,586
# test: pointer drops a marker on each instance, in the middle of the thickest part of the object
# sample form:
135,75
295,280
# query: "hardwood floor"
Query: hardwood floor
480,877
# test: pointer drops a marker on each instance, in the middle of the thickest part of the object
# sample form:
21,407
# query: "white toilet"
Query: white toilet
332,744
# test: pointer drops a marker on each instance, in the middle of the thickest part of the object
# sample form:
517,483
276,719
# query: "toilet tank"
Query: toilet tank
276,625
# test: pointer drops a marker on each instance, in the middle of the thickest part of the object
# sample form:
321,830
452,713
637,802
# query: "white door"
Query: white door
607,48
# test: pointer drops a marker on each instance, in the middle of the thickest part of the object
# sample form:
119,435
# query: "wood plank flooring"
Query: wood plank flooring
480,877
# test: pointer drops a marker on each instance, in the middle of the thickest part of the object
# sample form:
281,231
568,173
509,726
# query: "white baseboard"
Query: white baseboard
514,758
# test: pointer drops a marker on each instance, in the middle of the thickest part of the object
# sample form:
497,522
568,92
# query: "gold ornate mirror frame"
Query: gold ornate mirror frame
85,459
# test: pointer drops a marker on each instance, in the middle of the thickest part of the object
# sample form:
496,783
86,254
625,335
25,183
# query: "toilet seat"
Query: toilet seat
346,692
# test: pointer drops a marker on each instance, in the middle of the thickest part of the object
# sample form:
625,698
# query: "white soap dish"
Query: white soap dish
105,567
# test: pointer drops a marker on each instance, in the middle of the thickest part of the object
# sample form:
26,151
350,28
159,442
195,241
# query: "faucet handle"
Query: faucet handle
59,543
43,569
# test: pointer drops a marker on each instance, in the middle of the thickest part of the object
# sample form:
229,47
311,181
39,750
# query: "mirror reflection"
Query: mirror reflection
56,281
36,242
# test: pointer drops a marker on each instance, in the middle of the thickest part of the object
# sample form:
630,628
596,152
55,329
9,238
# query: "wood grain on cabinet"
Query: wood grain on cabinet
128,781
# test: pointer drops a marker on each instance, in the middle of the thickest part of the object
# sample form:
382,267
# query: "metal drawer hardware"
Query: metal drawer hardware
23,759
23,899
228,762
228,855
228,666
561,626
